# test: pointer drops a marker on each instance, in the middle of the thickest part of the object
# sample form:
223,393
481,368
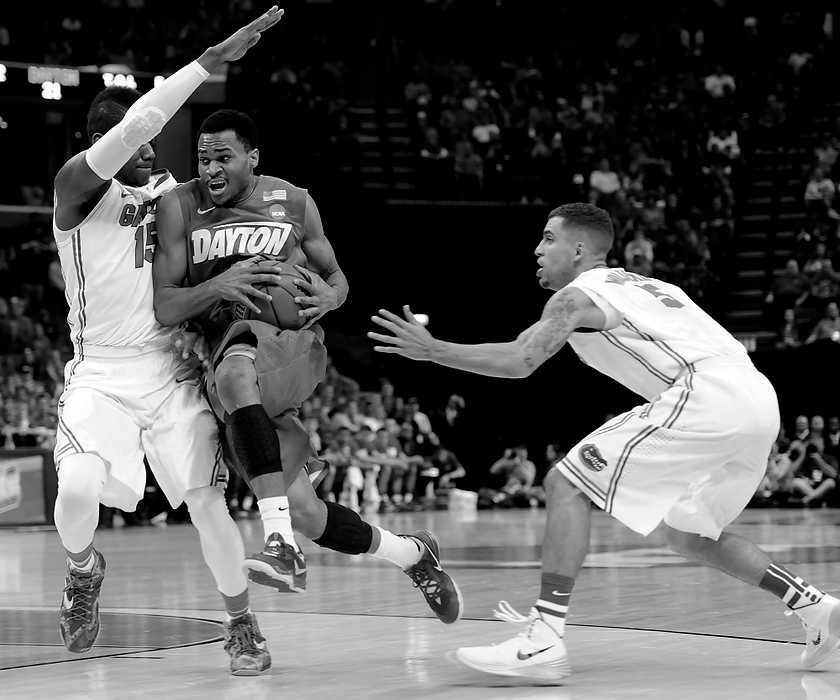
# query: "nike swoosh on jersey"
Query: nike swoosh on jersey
524,656
204,211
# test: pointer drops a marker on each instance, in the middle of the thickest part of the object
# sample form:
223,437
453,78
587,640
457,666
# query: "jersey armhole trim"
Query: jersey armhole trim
612,315
66,234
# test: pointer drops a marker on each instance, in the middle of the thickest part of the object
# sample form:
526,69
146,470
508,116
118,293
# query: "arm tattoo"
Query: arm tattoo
552,331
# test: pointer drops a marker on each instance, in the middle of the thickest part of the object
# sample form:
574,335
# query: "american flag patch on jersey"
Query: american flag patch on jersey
274,196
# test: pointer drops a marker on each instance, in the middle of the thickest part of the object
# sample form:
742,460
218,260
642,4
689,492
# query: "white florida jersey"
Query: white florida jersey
107,266
655,332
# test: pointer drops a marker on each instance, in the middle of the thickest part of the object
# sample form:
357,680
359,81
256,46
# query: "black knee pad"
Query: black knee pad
345,532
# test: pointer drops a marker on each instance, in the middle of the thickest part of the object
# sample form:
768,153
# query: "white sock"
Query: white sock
276,517
86,566
221,543
405,552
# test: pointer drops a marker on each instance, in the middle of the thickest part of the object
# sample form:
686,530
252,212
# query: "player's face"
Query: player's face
556,254
225,166
137,171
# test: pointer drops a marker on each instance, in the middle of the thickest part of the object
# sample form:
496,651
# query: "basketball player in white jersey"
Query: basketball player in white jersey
126,394
684,463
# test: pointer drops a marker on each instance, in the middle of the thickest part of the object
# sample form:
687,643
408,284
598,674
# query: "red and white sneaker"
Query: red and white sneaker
537,652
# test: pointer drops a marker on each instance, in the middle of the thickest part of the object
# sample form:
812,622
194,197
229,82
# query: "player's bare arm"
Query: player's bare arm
176,303
566,311
84,179
328,288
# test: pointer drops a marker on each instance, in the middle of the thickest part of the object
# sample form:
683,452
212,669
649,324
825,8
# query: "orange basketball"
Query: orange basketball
281,311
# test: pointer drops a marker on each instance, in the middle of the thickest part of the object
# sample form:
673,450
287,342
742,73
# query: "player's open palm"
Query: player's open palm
241,281
237,44
410,339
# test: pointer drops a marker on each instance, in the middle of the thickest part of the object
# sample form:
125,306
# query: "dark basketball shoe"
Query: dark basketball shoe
438,588
78,617
279,566
246,646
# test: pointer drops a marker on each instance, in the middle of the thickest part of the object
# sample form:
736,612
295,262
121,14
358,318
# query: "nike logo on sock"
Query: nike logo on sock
558,593
524,656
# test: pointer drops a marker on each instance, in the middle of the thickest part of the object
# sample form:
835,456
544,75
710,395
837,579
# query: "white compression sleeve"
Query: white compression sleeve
143,121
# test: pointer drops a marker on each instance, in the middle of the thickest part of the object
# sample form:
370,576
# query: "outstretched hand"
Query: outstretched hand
410,339
237,44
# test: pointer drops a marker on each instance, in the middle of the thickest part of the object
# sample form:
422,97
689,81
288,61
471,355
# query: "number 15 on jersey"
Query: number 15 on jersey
145,240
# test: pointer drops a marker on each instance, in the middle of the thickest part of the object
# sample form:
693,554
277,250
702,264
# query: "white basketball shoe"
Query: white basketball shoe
537,652
822,634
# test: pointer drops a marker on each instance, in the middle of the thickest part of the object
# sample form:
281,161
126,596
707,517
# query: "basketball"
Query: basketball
281,311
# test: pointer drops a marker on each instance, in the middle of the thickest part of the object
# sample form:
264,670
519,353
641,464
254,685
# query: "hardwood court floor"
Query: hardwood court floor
643,624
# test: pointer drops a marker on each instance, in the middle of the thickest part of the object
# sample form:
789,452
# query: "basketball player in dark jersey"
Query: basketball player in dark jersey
212,232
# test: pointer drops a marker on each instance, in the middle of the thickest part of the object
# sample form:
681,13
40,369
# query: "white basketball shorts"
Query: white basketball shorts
122,404
693,456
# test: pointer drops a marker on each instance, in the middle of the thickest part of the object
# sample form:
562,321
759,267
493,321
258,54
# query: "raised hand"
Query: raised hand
410,339
237,44
319,296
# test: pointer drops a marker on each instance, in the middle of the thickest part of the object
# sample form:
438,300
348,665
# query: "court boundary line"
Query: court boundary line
141,611
134,650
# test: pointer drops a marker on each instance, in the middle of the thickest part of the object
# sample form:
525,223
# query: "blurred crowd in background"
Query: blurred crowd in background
655,118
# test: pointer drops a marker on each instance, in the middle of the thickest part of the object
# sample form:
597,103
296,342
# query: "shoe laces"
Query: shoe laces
82,591
428,585
244,635
507,613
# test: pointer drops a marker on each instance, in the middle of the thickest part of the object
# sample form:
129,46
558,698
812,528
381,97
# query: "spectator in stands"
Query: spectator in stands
419,420
435,166
438,473
827,151
469,170
817,428
22,328
723,145
790,289
777,485
789,334
819,195
801,430
448,424
639,251
518,475
773,114
342,387
604,183
719,84
670,257
832,438
828,327
816,478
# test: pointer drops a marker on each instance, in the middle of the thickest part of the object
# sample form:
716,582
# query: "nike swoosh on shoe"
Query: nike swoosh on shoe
524,656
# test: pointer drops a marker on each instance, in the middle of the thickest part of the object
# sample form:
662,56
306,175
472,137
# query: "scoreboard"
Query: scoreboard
43,112
22,81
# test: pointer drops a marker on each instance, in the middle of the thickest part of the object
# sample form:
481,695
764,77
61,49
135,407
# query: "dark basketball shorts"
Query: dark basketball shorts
290,365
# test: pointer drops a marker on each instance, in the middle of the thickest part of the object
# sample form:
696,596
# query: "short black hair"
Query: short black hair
238,122
590,218
108,108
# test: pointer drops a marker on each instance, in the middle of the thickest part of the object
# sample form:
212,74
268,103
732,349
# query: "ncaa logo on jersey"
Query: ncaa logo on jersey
277,211
239,311
592,458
